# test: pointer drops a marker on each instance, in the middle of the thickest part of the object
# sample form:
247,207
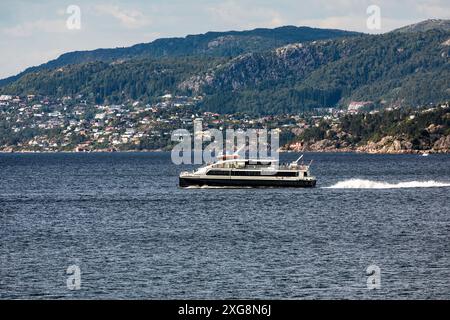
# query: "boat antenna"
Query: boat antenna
239,150
300,158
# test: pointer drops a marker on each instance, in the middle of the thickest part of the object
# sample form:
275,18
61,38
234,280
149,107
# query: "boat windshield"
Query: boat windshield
247,164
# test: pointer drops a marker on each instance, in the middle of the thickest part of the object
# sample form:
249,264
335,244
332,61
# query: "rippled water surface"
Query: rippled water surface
134,234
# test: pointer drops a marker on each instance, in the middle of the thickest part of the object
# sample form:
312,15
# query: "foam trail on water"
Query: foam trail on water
370,184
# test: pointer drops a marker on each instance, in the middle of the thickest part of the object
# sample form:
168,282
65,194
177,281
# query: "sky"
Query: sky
34,32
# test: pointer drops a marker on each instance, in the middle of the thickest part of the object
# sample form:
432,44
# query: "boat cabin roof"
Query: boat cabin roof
242,163
251,161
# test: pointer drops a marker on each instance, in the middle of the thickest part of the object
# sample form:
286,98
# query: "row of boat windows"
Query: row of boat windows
251,173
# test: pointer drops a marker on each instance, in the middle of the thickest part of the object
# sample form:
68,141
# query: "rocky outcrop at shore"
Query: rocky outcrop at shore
387,145
443,144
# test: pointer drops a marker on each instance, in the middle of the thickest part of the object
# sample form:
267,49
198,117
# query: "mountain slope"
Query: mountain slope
430,24
112,82
223,44
397,68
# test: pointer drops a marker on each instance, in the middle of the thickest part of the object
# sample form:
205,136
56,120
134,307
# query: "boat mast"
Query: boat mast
300,158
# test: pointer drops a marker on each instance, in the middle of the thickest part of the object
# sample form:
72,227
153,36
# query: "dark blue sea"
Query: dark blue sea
121,218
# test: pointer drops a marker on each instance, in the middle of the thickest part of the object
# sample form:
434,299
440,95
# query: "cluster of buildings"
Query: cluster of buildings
34,123
44,124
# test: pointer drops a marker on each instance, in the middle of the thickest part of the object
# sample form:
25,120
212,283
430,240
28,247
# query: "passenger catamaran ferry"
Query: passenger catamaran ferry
232,171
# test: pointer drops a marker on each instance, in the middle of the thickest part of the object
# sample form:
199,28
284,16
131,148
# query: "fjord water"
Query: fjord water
134,234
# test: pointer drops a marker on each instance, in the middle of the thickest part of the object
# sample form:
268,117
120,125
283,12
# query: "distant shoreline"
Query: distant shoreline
415,152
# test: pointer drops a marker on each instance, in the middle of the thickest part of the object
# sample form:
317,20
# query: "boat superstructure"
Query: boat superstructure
233,171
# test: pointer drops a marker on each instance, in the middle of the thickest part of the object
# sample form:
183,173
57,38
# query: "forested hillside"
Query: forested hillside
115,82
394,69
395,131
218,44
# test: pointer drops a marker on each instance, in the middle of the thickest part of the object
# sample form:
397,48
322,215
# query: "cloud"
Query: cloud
435,10
351,14
356,23
132,19
233,14
343,5
27,29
